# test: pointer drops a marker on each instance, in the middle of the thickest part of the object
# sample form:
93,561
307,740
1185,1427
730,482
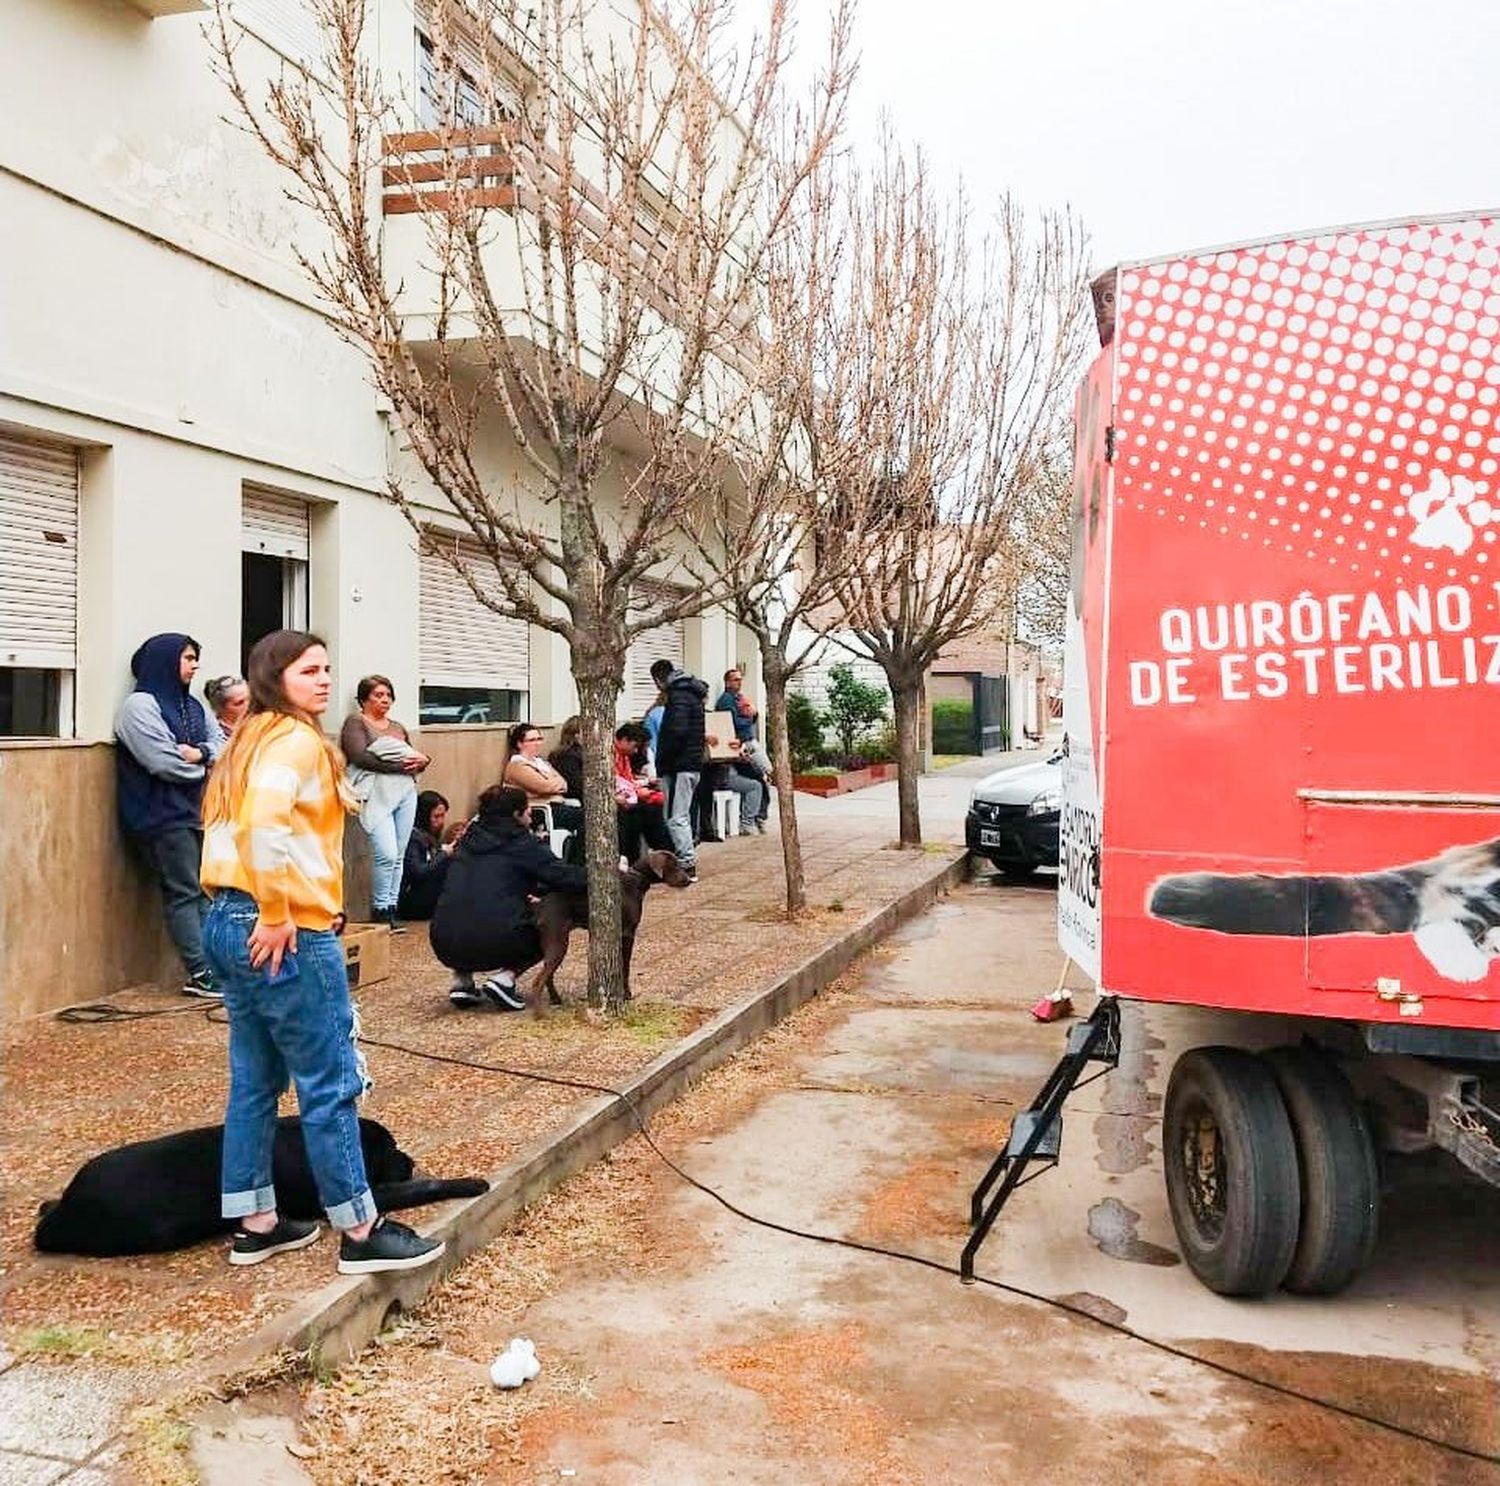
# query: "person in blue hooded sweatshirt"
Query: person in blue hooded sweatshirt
166,745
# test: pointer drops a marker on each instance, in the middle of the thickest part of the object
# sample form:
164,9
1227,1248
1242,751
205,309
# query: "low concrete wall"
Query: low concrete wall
465,760
79,918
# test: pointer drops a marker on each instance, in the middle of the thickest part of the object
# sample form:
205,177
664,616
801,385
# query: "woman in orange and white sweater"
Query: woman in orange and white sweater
273,867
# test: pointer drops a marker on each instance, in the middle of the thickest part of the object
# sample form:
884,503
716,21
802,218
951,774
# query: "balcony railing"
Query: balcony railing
422,168
475,168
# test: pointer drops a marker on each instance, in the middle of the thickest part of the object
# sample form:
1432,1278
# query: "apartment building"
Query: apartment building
187,444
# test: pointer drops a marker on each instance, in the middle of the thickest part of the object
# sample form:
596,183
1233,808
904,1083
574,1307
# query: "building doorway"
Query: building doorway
273,566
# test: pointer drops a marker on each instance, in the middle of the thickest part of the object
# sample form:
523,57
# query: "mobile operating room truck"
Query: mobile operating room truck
1282,710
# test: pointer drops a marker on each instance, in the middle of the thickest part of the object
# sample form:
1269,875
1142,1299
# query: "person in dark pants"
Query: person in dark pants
425,865
639,803
483,918
680,754
567,757
165,746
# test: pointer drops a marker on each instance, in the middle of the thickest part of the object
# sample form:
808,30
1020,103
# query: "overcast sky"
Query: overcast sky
1176,124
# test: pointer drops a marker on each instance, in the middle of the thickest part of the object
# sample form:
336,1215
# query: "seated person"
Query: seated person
567,757
483,917
733,776
526,769
425,864
754,762
640,804
744,780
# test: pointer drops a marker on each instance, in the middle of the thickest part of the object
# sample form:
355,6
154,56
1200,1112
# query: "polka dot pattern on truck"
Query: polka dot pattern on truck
1335,397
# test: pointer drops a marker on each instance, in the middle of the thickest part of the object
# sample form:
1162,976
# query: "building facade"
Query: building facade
187,444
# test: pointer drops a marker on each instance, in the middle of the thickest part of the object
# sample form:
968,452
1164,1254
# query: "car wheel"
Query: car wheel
1017,871
1231,1170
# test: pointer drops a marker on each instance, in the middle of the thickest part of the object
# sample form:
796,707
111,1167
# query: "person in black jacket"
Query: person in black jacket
424,868
483,916
680,754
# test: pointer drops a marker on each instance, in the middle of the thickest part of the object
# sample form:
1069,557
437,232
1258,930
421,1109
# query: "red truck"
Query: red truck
1282,689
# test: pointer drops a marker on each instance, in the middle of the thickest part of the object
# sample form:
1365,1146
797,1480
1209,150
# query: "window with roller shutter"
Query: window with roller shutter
665,642
475,664
38,584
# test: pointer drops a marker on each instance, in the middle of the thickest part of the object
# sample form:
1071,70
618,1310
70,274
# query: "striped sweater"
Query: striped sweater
284,840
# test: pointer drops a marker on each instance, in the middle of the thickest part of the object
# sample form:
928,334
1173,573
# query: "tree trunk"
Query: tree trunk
773,673
596,701
907,696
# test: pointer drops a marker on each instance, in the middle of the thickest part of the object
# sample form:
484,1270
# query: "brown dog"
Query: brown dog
558,914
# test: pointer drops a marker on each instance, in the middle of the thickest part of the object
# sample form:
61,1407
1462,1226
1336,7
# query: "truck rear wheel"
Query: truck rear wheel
1339,1175
1231,1169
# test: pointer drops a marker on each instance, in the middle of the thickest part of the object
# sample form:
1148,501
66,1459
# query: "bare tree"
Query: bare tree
597,206
1044,531
773,537
950,356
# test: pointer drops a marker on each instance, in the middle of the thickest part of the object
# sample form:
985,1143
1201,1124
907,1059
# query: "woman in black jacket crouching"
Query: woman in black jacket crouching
484,917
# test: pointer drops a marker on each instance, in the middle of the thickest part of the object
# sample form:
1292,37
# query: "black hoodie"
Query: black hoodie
679,744
496,865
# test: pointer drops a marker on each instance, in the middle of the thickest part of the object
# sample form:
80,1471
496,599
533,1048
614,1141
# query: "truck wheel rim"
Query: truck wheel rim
1204,1169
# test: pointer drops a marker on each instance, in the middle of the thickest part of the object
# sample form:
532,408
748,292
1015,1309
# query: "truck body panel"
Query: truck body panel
1282,682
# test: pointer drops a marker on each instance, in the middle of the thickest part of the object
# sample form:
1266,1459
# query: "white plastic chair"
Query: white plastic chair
557,836
726,813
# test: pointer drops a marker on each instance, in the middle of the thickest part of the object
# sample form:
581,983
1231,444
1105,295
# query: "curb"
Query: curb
339,1320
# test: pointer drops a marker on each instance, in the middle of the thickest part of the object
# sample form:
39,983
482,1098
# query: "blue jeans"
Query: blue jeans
388,840
679,790
303,1028
174,857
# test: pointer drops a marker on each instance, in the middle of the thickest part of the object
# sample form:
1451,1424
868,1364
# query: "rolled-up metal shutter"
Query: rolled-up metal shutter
665,642
290,26
38,553
274,524
462,641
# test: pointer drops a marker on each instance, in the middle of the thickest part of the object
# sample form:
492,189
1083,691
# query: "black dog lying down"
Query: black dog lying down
163,1194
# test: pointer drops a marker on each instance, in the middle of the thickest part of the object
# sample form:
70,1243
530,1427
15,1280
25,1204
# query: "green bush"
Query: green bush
952,726
854,706
804,725
880,747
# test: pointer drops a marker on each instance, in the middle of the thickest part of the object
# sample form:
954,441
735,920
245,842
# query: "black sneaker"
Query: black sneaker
503,994
202,985
288,1234
463,994
692,875
387,916
390,1245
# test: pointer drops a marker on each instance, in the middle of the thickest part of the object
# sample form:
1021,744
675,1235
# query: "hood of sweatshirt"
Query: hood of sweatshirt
680,678
495,833
157,668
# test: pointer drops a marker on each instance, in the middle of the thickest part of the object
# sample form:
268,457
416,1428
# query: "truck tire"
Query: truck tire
1340,1176
1231,1169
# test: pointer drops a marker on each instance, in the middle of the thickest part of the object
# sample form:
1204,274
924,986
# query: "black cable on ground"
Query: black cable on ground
100,1013
1224,1369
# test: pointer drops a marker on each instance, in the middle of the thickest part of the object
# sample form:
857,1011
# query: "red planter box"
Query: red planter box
842,784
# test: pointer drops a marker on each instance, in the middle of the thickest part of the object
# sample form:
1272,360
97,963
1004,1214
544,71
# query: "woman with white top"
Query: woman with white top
525,768
383,766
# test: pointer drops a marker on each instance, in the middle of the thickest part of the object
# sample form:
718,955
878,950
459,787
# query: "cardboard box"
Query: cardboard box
367,954
720,725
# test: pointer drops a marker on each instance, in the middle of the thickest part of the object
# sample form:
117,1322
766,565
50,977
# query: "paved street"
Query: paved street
683,1344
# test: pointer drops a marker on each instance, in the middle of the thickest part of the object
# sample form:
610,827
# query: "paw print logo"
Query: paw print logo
1448,513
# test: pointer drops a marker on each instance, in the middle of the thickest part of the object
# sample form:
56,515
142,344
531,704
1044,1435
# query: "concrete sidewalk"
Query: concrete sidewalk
87,1343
